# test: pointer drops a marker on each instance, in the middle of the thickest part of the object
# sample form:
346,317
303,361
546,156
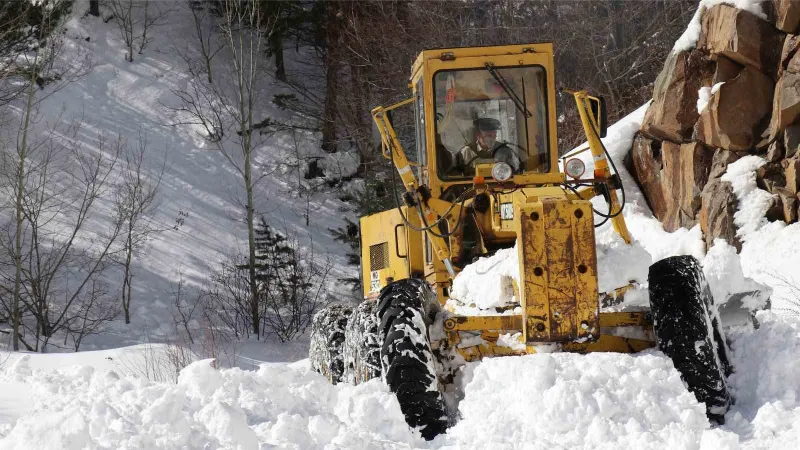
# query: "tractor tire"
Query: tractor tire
362,347
688,330
327,336
407,361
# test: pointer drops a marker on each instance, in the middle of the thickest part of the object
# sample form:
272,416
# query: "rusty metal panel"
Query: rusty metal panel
559,245
533,262
559,268
585,269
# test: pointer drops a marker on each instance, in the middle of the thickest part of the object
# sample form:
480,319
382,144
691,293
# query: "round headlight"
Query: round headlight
575,167
501,171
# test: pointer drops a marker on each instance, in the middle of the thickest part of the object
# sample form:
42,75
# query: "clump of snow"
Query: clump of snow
688,40
704,96
487,283
723,270
753,202
512,341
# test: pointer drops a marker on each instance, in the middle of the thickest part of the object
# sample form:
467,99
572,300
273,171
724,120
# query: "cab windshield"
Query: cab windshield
491,115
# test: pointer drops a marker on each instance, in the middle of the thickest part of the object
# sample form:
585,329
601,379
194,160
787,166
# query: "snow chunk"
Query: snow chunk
753,202
704,96
512,341
487,283
200,378
723,270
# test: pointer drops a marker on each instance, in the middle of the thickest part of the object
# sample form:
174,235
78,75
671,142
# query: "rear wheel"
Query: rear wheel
688,330
404,310
327,338
362,346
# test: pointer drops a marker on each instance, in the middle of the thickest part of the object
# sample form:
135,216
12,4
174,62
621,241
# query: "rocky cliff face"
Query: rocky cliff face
737,92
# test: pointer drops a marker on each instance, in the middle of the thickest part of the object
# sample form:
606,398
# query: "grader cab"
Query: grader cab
487,176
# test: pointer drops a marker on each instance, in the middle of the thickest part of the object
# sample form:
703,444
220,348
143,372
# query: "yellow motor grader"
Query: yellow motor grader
487,176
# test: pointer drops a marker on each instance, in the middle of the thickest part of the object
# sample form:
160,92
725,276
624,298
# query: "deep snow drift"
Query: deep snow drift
555,400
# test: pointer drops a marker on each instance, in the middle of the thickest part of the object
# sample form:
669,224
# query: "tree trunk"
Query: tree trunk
94,7
276,44
331,65
251,244
22,151
127,277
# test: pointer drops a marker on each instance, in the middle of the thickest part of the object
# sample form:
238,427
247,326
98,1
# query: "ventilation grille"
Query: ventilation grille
379,256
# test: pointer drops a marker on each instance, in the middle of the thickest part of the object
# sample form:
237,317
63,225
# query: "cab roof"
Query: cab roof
494,50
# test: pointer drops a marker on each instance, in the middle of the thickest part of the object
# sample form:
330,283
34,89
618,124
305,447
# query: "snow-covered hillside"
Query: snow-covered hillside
133,398
199,188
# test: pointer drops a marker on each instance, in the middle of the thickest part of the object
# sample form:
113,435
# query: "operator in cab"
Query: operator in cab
486,147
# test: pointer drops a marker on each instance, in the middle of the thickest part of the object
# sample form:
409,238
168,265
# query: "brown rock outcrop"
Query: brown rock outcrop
787,15
684,174
788,205
791,140
716,213
673,112
736,113
646,161
742,37
791,171
770,176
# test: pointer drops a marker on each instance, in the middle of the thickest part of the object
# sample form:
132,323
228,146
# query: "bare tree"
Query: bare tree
231,102
64,260
135,21
229,298
207,37
124,16
32,64
96,309
135,202
184,311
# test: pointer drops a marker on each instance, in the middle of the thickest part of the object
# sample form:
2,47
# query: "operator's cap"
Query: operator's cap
487,124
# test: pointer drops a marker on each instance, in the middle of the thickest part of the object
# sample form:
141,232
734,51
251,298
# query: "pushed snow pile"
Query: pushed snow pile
487,283
277,406
576,401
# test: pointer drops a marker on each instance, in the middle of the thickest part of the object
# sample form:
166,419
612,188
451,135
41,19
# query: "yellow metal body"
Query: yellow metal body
551,225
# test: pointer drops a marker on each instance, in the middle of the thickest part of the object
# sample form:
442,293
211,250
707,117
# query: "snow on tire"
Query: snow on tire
327,336
406,357
688,331
362,359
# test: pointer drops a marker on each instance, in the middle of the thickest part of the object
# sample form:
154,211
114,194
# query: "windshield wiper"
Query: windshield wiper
504,84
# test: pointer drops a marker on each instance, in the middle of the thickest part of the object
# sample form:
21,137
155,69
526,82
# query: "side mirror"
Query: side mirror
600,114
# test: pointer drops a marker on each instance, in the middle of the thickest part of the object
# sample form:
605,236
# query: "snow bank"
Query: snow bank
277,406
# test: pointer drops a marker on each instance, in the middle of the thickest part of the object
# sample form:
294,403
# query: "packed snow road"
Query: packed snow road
556,400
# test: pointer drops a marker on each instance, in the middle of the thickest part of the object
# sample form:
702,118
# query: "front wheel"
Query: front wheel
404,309
688,331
